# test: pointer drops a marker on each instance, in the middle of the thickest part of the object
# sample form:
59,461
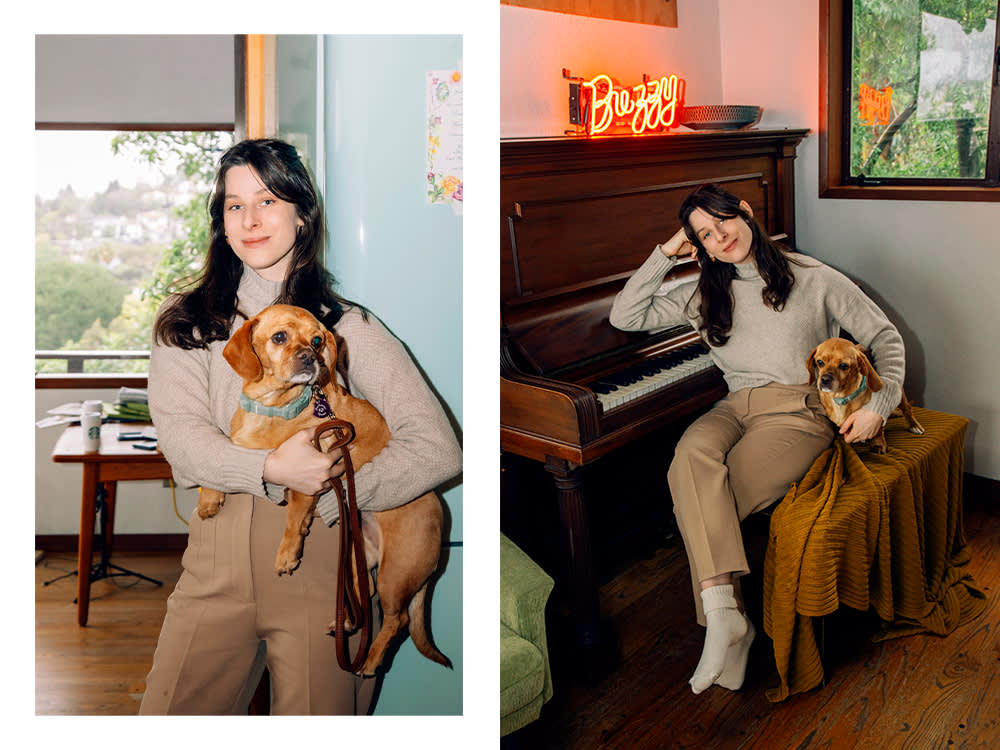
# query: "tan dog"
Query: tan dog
846,381
285,356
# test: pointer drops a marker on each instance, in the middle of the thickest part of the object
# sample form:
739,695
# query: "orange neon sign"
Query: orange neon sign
605,106
874,105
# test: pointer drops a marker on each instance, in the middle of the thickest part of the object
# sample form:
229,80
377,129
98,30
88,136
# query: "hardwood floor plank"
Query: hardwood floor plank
917,692
99,669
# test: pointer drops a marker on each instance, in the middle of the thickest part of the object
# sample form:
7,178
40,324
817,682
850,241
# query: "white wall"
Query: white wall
933,267
536,45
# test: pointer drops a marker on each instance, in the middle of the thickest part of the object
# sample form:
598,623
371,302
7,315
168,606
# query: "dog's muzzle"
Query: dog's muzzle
306,366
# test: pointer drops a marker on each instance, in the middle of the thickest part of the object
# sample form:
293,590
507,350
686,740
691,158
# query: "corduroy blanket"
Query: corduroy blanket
869,531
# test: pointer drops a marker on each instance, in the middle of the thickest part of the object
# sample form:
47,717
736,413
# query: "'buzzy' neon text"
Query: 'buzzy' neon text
647,107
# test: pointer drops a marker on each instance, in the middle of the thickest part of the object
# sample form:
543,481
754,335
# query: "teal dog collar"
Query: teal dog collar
288,411
841,400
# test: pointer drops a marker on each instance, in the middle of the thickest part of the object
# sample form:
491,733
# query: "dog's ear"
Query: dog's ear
340,346
811,365
330,350
240,354
874,381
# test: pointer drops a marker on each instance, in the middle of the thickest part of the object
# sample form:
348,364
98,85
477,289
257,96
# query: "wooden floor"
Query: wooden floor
919,692
99,669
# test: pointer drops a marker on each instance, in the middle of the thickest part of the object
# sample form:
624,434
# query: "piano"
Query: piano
577,217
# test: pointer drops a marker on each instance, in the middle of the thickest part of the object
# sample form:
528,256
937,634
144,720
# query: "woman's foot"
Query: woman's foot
736,660
726,626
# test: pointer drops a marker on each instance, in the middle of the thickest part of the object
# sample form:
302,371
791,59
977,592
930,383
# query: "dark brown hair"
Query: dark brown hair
205,312
715,281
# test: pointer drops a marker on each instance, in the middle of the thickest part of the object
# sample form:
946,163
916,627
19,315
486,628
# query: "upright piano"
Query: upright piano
577,217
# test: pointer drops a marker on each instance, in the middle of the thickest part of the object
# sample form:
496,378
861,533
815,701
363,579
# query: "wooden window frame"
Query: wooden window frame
832,137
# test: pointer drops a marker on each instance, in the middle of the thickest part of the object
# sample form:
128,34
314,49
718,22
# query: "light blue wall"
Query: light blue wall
402,258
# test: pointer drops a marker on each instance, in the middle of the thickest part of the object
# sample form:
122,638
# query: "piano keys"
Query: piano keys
644,378
577,218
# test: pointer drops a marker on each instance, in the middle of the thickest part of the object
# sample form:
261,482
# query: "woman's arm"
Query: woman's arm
423,451
637,306
864,320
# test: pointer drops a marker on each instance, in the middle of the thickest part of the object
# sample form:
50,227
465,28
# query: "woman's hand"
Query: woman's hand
297,464
679,244
863,424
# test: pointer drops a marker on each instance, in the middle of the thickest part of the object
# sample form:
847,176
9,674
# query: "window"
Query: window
131,128
910,99
120,216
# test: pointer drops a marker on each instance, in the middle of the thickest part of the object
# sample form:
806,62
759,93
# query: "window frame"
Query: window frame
832,143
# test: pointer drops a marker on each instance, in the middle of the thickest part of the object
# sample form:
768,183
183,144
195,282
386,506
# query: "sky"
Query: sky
84,160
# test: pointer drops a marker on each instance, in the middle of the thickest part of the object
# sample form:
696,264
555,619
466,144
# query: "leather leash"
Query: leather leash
356,603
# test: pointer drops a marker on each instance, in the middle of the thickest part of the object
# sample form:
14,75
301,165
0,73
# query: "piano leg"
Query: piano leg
582,582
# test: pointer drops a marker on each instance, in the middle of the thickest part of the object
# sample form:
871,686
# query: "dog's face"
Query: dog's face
283,344
838,365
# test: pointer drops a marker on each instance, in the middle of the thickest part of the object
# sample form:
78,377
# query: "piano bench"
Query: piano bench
874,533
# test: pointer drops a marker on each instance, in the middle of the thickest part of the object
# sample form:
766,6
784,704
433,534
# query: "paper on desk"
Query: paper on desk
54,421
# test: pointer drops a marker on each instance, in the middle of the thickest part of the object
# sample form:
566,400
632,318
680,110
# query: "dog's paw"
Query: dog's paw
208,510
286,561
917,429
349,626
370,667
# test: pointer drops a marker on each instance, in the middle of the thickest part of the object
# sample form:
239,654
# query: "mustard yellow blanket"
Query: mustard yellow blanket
863,530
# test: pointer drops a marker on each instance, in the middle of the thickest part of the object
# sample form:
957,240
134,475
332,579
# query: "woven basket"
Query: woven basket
718,116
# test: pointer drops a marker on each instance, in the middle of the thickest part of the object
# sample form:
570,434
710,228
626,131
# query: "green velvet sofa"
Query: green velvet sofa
525,678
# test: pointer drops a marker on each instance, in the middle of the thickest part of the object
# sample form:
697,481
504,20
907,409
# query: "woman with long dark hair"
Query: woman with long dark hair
761,310
230,613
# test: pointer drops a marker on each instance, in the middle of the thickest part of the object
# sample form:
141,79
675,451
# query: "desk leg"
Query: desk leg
108,528
582,582
88,507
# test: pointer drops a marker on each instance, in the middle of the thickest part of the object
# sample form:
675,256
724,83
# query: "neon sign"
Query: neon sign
603,106
874,105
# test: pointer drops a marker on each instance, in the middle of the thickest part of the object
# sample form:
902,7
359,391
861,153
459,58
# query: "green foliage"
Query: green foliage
86,305
69,298
197,154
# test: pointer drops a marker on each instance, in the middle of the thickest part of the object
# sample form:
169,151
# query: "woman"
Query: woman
761,311
230,612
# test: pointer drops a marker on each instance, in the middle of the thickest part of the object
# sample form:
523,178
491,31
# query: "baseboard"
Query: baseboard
123,542
982,492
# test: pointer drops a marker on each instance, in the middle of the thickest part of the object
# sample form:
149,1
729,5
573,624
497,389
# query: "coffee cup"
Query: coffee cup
91,424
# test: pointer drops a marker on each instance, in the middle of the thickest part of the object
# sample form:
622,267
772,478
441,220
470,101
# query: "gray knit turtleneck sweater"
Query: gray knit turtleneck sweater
766,346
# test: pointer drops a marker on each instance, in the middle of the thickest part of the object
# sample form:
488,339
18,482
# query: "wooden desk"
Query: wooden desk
115,461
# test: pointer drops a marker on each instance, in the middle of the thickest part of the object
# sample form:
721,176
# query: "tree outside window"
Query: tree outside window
106,258
918,91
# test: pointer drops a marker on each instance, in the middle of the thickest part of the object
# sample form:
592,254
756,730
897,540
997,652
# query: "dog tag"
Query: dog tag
321,407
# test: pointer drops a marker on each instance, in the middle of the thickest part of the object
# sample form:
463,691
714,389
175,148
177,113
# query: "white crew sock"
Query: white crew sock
736,660
726,626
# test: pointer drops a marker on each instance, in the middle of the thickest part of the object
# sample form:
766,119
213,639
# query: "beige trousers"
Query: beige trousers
230,614
739,458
